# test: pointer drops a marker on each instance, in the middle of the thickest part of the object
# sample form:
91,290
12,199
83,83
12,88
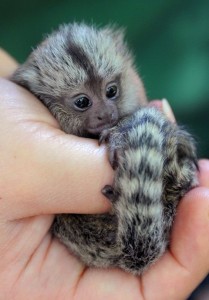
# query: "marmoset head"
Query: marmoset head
85,76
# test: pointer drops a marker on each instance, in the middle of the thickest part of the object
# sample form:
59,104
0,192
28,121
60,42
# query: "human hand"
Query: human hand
33,187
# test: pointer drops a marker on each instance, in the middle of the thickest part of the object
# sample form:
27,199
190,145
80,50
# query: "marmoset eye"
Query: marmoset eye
82,103
112,92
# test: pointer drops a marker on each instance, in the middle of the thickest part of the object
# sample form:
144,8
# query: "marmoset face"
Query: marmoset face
85,76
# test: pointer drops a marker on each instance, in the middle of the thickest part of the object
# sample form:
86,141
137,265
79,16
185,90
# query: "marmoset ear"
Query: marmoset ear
24,74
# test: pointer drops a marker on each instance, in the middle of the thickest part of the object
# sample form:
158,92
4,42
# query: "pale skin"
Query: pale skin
44,171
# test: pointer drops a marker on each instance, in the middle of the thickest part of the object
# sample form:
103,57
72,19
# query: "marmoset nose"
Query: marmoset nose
99,118
108,117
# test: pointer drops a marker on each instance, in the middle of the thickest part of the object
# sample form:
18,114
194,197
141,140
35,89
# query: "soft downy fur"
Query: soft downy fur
156,165
154,160
82,59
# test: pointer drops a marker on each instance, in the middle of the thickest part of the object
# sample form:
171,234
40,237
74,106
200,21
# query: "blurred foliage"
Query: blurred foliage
169,38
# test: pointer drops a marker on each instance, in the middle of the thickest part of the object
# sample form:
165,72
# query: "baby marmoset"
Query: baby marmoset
86,77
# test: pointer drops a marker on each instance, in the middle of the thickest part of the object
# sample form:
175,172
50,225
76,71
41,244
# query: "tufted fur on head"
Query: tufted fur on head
81,60
86,77
155,165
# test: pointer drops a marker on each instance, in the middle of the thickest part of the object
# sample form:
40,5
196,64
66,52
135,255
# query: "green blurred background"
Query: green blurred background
170,40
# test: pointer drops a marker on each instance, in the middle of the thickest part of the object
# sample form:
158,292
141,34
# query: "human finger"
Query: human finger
43,170
7,64
165,107
204,172
184,266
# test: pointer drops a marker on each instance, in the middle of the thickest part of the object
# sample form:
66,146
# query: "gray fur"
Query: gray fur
155,166
79,59
154,160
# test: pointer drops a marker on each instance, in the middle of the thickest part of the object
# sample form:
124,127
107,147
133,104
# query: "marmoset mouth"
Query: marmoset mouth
97,130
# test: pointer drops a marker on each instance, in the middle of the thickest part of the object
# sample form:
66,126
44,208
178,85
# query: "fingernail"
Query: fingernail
167,110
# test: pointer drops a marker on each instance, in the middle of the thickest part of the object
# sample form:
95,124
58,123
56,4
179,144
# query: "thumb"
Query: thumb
43,170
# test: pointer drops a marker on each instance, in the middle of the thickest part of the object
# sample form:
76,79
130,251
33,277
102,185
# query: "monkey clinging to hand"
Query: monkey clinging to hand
86,78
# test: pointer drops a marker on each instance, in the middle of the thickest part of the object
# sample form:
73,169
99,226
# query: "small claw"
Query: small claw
113,158
101,140
103,137
108,191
